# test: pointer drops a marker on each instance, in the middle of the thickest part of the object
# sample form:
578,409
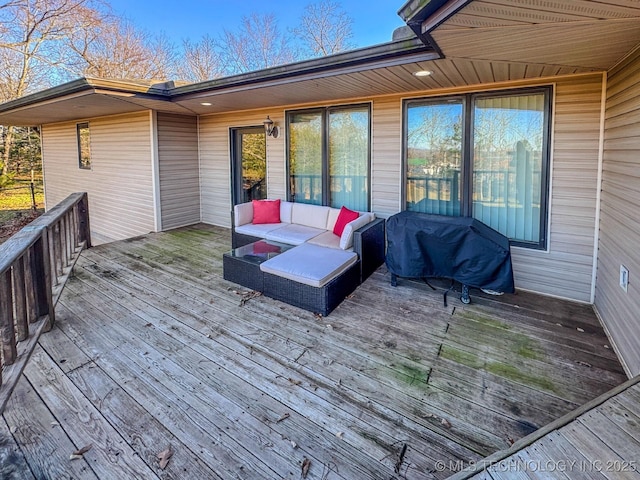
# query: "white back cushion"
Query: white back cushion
285,211
310,215
346,240
243,214
332,218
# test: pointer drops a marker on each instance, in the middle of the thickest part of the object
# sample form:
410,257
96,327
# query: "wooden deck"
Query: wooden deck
153,350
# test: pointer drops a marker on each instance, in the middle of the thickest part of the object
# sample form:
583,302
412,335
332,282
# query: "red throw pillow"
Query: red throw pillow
266,211
345,216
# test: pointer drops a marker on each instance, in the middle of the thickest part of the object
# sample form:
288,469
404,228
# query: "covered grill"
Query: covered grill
421,245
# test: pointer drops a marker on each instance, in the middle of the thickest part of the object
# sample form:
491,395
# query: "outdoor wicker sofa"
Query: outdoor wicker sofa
317,269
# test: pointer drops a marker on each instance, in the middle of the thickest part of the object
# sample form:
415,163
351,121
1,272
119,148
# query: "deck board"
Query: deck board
161,351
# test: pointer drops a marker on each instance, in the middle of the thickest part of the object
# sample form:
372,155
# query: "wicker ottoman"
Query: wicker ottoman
312,277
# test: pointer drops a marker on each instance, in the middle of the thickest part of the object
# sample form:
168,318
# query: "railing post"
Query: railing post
7,334
20,299
41,268
83,220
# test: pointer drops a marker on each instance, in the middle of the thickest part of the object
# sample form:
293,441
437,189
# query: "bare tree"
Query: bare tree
30,45
325,28
201,60
115,48
257,44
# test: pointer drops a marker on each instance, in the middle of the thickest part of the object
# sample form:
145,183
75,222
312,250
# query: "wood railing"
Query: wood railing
34,265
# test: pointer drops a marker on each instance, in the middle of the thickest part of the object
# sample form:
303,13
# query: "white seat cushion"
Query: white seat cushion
310,264
326,239
292,233
258,230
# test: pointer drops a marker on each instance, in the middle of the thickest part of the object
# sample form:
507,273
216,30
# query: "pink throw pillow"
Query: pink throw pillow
266,211
345,216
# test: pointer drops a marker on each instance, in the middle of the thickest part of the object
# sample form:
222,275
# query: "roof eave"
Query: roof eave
367,55
422,16
86,84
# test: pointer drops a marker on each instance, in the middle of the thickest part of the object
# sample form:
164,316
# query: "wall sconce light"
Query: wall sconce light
270,128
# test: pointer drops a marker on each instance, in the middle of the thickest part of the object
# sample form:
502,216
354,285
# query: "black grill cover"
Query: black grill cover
464,249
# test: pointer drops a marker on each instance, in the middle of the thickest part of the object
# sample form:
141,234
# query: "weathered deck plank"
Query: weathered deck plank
13,465
110,457
154,344
42,439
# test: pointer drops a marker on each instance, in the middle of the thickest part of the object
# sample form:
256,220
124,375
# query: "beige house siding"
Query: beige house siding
386,156
620,213
564,270
215,161
119,183
179,175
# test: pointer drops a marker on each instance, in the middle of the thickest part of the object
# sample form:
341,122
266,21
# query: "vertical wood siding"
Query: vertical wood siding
565,270
620,213
179,170
215,161
119,183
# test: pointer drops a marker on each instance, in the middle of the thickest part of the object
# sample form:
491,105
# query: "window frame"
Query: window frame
466,168
81,126
325,112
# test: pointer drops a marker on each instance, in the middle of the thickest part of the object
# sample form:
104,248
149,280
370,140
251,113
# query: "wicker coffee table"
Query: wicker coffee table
242,265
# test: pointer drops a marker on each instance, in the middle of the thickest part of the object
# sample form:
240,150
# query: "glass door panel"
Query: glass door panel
305,157
434,157
250,165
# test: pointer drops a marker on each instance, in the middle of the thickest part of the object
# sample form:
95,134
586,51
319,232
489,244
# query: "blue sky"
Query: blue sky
373,20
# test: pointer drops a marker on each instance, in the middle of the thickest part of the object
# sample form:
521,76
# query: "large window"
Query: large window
84,145
482,155
328,156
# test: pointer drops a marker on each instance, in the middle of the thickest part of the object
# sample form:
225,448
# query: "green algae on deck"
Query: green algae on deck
518,343
500,369
412,375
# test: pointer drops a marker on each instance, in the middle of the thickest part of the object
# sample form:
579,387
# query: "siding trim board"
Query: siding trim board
596,230
155,169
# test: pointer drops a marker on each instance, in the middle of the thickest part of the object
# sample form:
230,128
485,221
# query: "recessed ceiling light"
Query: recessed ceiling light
205,104
422,73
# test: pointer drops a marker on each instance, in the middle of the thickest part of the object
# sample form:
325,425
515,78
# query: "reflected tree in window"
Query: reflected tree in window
254,166
434,153
84,145
349,158
305,157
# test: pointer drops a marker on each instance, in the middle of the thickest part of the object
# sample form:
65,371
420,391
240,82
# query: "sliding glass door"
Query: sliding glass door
249,164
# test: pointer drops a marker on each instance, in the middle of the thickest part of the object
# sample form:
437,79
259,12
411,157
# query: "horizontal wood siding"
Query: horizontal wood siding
565,270
178,170
215,161
386,156
119,184
620,213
